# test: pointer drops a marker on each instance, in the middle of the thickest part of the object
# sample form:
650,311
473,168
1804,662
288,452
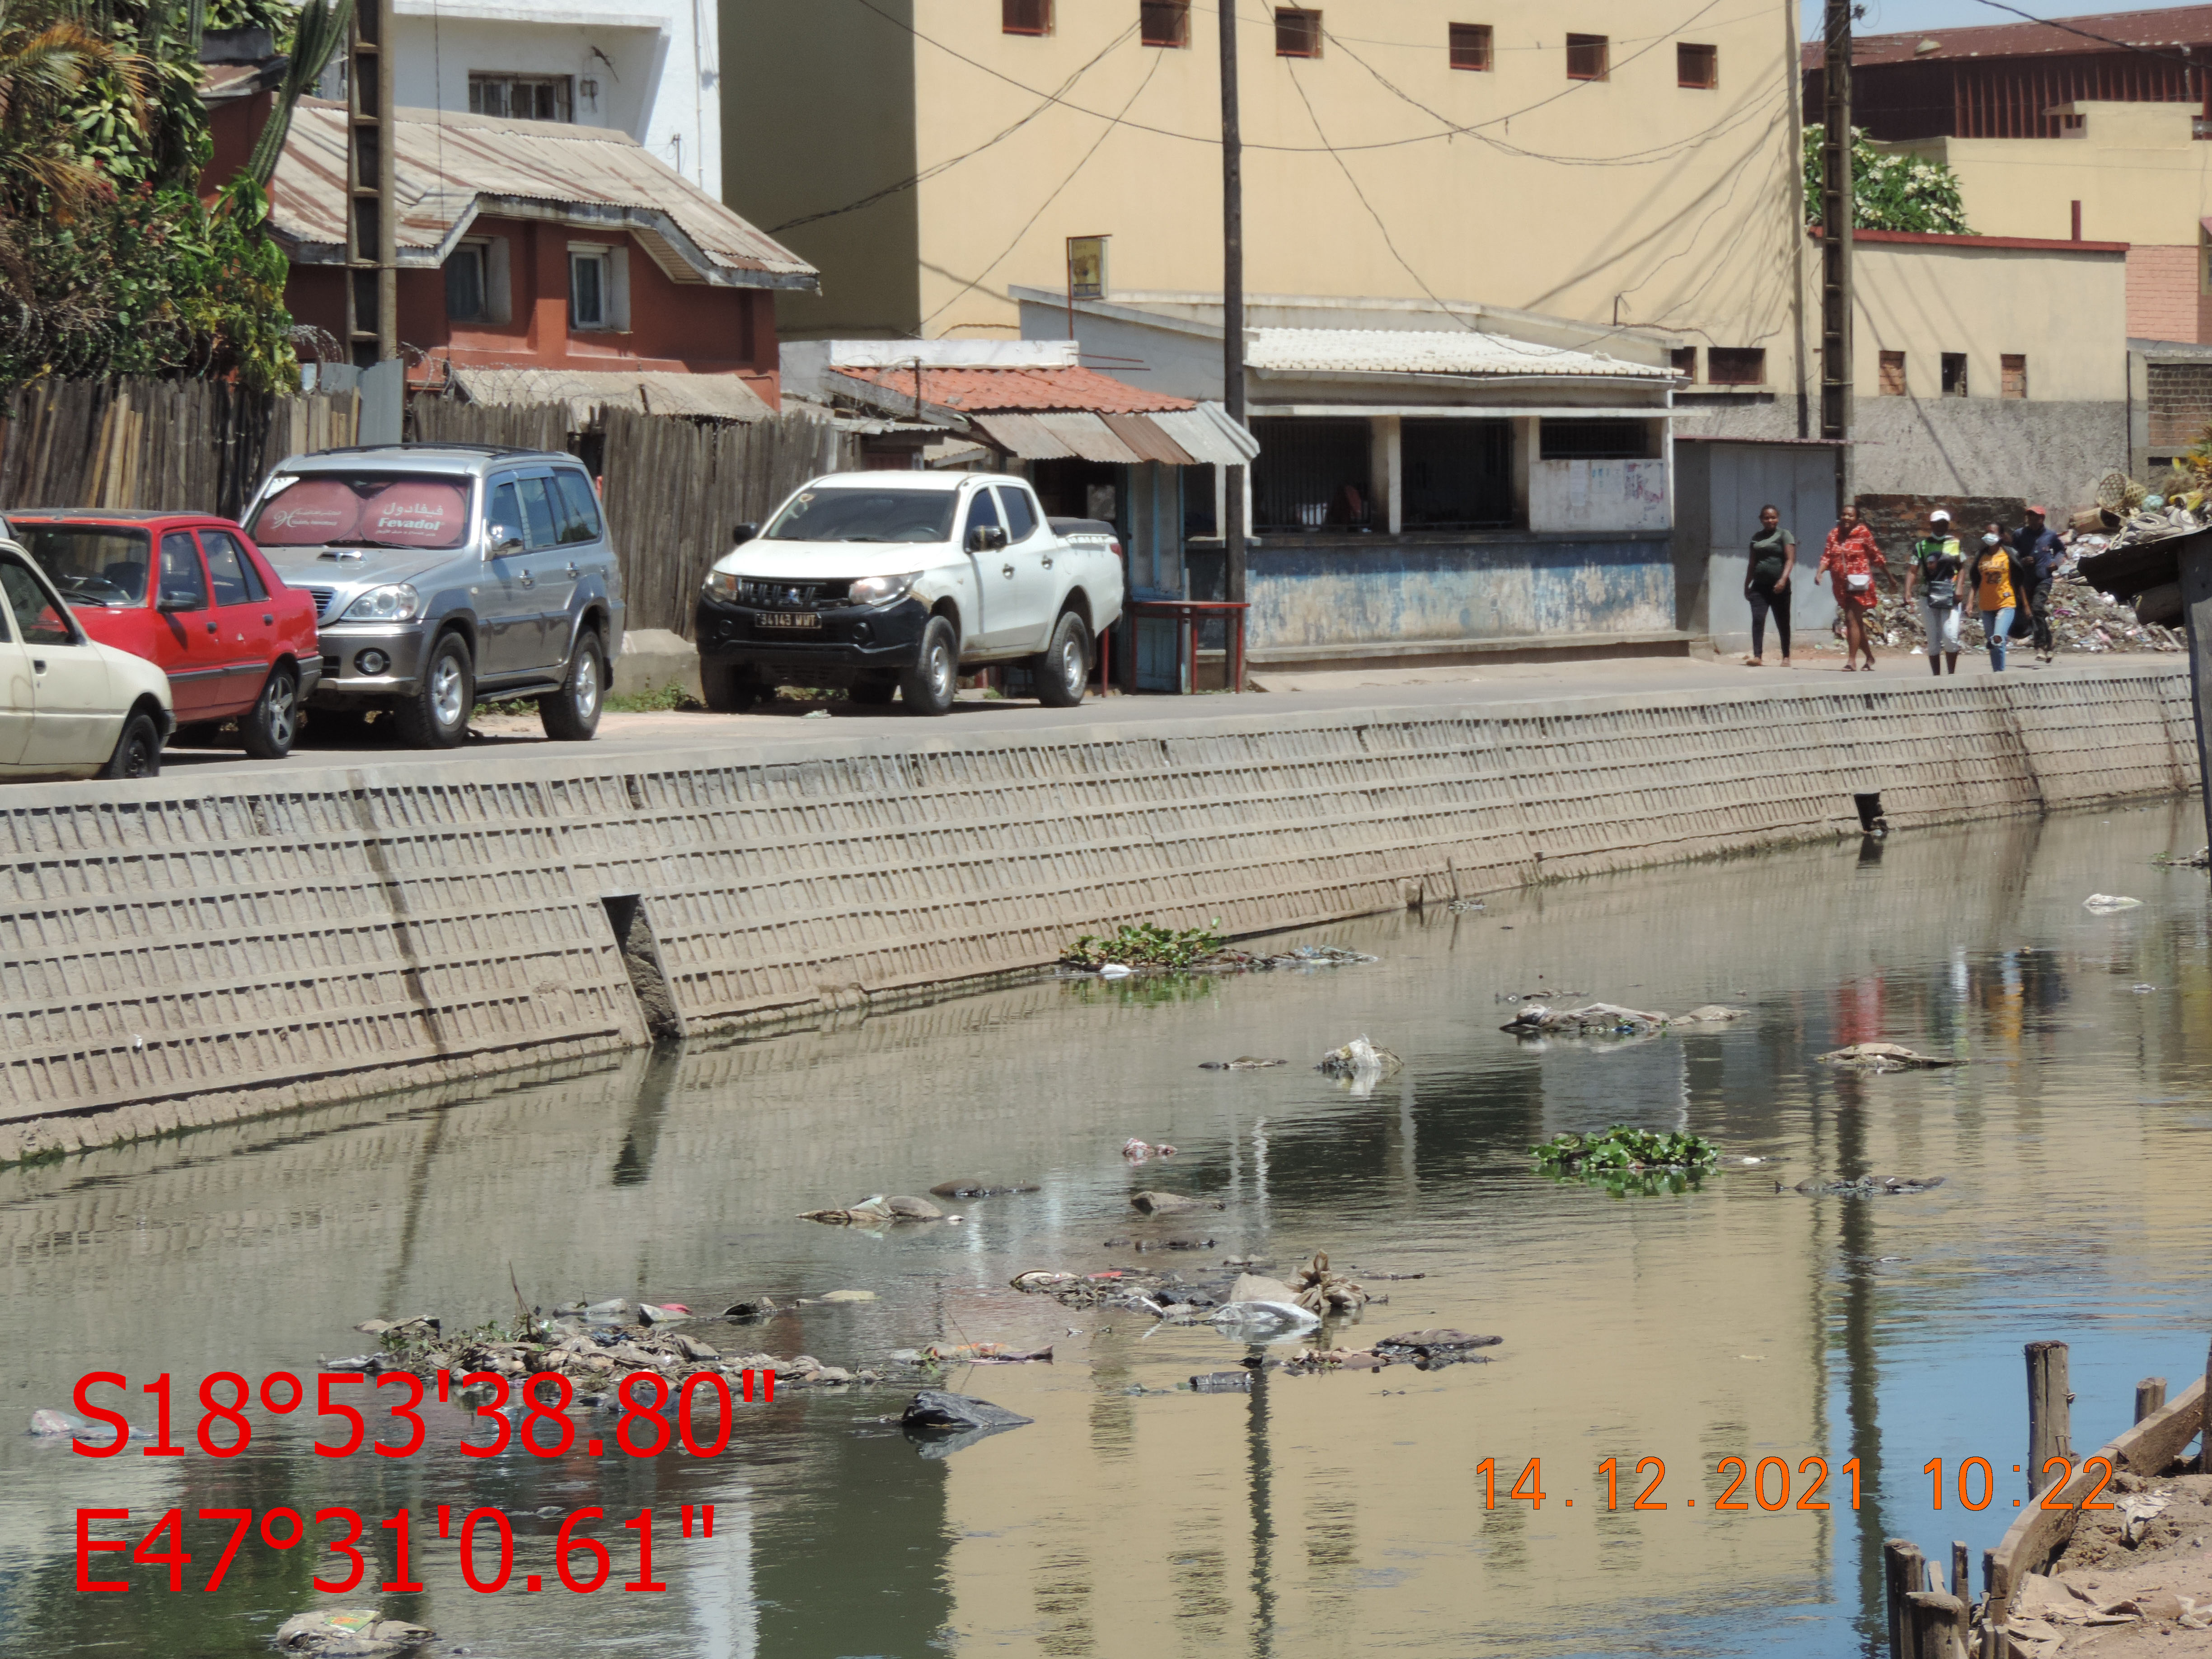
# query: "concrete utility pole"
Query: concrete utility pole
372,184
1836,223
1232,296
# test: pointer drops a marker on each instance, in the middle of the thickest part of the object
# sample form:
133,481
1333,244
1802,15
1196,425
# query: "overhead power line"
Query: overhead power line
2182,58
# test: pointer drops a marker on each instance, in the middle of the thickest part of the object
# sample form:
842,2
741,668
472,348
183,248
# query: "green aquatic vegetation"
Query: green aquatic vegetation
1625,1149
1141,944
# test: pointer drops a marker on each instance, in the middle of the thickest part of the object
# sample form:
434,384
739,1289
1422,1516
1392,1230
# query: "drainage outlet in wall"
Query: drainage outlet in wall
641,952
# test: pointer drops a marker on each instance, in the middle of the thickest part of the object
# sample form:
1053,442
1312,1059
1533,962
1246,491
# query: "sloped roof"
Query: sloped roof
587,391
986,390
1459,351
2173,25
453,167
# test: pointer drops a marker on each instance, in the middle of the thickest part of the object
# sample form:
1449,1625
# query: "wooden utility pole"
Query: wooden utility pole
1836,223
1232,299
372,190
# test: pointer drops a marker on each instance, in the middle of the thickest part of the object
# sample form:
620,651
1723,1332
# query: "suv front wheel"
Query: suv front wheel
435,714
572,713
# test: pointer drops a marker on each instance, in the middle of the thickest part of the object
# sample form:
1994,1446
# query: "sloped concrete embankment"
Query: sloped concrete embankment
174,954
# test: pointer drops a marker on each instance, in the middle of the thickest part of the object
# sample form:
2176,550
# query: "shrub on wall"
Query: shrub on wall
1890,191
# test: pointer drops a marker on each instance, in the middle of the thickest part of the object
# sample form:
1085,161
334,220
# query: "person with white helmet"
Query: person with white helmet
1937,559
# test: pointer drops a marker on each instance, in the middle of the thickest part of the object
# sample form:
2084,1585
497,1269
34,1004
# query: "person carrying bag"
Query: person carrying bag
1937,559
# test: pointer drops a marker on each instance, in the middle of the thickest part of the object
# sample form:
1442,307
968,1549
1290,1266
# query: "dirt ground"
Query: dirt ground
2121,1600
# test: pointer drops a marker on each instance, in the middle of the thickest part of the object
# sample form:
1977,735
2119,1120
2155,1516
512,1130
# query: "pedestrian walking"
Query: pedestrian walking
1766,584
1991,576
1848,561
2037,553
1937,559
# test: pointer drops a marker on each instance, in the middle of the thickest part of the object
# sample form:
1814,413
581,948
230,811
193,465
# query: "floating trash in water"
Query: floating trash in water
2105,904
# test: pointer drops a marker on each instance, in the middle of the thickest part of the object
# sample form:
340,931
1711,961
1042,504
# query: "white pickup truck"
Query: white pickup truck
899,582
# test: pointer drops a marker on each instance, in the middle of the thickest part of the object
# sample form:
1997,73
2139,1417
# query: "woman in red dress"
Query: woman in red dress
1848,561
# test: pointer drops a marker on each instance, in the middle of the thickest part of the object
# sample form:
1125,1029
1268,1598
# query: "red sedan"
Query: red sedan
191,593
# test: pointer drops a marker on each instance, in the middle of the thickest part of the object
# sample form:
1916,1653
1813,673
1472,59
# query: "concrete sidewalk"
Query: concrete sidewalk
787,728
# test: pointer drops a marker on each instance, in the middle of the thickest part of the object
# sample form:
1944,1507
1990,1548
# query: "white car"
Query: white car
898,582
71,708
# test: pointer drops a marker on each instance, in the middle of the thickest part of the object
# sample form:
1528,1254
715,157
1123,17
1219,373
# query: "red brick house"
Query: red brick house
537,245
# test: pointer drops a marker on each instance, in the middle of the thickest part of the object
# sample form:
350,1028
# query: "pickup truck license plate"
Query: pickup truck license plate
799,619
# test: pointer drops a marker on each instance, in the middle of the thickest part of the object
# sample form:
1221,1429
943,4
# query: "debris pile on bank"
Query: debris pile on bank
1139,947
2141,1562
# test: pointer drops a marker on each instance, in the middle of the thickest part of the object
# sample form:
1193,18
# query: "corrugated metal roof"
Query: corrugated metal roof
987,391
1462,351
1140,434
453,167
1091,438
720,397
1024,435
1209,437
2176,26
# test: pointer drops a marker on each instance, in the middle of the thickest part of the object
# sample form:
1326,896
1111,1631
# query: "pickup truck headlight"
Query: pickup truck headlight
881,590
396,603
722,584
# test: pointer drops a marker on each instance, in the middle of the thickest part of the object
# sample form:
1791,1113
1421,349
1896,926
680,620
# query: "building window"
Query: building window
1470,45
1590,57
1736,365
1954,373
1456,474
464,284
2012,370
1025,16
1697,66
525,97
1164,23
1310,473
1892,374
1297,33
1685,359
1594,440
589,289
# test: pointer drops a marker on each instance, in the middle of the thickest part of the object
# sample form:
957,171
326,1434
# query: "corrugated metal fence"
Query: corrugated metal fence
199,445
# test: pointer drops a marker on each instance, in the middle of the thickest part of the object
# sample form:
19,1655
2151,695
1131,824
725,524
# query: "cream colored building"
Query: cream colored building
2134,173
929,159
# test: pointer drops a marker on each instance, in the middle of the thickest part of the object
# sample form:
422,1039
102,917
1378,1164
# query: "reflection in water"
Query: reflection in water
1740,1319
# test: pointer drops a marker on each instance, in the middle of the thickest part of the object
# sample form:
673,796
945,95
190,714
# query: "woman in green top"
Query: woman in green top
1766,584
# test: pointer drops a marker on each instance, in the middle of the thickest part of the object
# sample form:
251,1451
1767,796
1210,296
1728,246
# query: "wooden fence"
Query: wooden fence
675,488
197,446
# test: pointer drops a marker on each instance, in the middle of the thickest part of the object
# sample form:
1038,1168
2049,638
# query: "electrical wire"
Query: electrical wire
977,280
915,180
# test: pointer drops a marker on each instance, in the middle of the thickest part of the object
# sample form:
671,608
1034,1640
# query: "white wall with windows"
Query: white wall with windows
653,71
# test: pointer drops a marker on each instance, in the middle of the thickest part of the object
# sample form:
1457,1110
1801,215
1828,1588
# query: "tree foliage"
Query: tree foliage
1890,191
110,263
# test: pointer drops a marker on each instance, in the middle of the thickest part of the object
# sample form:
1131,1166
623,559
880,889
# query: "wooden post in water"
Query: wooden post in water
1961,1580
1904,1573
2193,557
2048,1432
2150,1397
2205,1446
1938,1626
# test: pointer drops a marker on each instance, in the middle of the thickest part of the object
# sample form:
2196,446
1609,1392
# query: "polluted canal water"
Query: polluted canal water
1662,1331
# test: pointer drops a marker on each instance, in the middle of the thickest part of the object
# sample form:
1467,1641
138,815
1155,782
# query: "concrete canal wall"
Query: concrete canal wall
173,953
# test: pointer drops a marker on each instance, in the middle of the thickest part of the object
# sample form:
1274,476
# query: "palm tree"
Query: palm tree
49,56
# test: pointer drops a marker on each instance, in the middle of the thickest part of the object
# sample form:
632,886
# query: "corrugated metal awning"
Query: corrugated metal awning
1022,435
1208,436
1090,437
717,397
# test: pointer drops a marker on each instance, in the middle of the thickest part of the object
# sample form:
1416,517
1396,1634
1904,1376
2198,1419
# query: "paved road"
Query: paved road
788,726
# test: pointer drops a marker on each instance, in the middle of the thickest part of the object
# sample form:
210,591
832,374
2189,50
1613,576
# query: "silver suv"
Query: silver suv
443,574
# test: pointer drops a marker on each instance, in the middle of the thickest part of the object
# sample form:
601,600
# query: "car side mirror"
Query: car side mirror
986,538
743,533
504,538
170,602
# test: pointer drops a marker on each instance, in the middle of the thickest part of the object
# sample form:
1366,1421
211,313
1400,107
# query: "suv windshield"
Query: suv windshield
865,515
92,563
363,509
